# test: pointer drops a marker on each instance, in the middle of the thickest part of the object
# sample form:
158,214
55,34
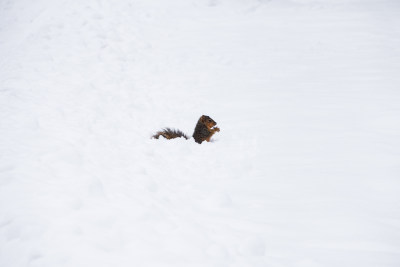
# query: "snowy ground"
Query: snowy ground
305,170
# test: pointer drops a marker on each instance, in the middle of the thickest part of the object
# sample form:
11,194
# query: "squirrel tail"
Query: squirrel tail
169,133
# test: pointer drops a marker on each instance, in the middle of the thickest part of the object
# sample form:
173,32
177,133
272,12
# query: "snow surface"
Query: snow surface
305,170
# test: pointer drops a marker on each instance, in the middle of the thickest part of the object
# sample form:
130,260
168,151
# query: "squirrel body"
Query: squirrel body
204,130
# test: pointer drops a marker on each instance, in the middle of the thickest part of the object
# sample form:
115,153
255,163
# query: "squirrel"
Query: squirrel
203,132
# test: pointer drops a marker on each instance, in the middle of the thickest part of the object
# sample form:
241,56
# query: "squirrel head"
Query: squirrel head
207,121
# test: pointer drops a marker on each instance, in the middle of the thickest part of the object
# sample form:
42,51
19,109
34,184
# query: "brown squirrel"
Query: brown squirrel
203,132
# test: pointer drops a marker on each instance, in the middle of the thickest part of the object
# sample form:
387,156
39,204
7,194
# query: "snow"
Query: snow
305,170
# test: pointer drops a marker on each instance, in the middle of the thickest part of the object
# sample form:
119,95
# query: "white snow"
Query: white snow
305,170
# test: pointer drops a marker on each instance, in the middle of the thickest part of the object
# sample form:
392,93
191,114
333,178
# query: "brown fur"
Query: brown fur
170,134
203,131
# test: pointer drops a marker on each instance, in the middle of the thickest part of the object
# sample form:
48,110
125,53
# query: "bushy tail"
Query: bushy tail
170,134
